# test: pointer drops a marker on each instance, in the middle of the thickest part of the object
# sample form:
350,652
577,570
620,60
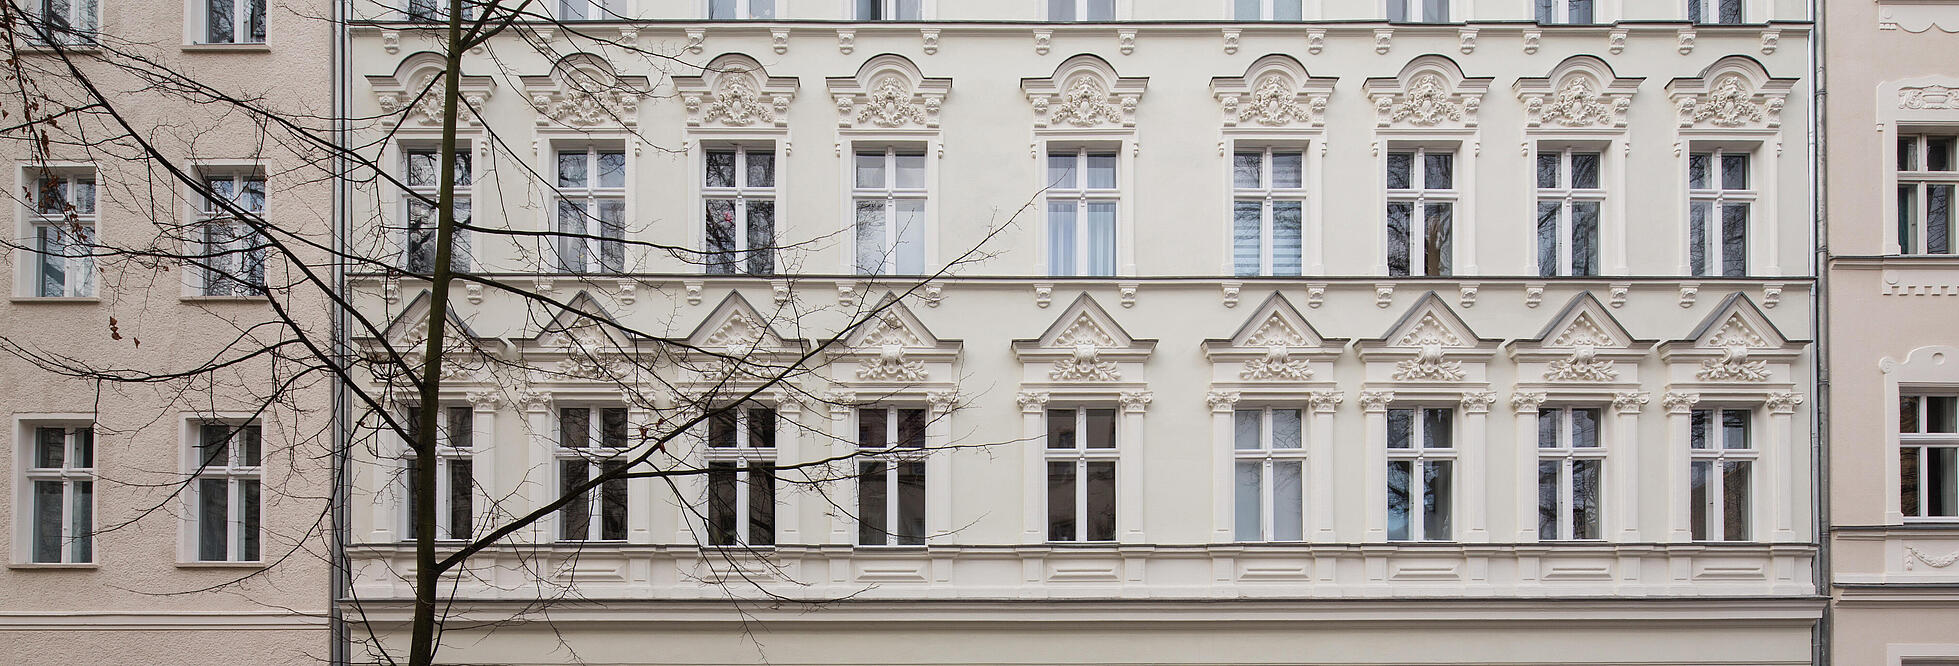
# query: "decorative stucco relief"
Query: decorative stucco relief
583,90
1733,93
735,91
889,92
1430,93
1581,92
1084,92
1274,92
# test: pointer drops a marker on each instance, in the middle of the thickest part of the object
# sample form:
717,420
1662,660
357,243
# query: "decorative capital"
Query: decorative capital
1630,402
533,400
942,402
1679,403
1325,402
840,402
1478,402
1032,402
1783,403
1135,402
1526,402
1375,402
1221,401
485,401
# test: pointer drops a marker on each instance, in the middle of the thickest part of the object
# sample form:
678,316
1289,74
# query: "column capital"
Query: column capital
1221,401
1631,402
1783,402
1478,402
1135,402
941,402
485,401
1375,402
534,400
840,402
1679,403
1032,402
1526,402
1325,402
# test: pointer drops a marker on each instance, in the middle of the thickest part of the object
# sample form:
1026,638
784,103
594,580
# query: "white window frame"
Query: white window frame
460,258
741,194
1566,452
447,454
1267,195
1561,12
1567,195
891,194
1710,12
1266,10
745,455
1919,444
591,250
1420,196
244,247
83,20
1081,11
78,267
596,455
1718,198
1418,454
892,453
1082,195
68,476
1415,11
1921,180
1715,456
888,10
240,21
744,10
1267,455
235,470
594,10
1081,456
432,11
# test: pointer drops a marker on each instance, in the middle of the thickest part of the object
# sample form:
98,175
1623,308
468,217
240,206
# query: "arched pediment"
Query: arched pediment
584,90
1430,92
1581,92
1084,92
1275,91
412,95
1735,92
889,92
734,90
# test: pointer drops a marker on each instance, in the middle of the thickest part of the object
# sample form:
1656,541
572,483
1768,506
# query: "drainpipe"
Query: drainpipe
339,649
1820,322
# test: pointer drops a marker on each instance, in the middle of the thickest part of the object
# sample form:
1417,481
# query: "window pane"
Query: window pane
248,445
1101,10
761,9
1908,153
1584,499
1286,10
1908,414
1102,170
612,505
1938,219
1734,240
1246,244
910,252
870,170
1734,484
1061,171
1397,10
219,21
1061,500
1941,414
571,168
721,503
1435,11
867,10
1698,165
1247,520
1547,237
1547,164
1061,10
1697,219
574,427
1584,171
1245,10
1730,11
47,521
1908,475
1439,172
1547,500
1734,429
871,505
248,500
721,9
911,503
1286,430
1061,238
1061,429
1734,172
1584,428
908,10
911,428
1400,427
911,171
1398,478
1908,218
1246,169
214,448
1702,482
1942,481
761,427
1938,153
1101,239
1581,11
575,518
462,507
51,447
761,168
1548,421
1288,169
612,169
872,429
1438,247
1398,214
81,522
1288,501
870,236
1101,424
212,520
1246,427
1437,500
1584,238
1288,239
1399,170
721,168
1101,518
1698,424
761,237
761,505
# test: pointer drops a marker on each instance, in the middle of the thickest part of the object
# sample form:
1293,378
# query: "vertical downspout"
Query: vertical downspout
340,650
1819,266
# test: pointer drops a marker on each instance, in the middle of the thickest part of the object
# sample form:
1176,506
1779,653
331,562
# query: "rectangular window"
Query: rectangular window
591,10
435,11
592,441
225,492
230,253
591,210
1723,457
741,476
889,194
1927,174
423,170
1568,201
1081,10
61,476
891,476
739,189
1724,12
1267,211
1421,478
1719,202
63,219
1928,438
234,21
65,21
1418,11
1266,10
1569,461
1082,199
1269,458
455,481
1421,212
888,10
1081,457
722,10
1564,11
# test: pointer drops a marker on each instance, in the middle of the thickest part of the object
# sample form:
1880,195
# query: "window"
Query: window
1568,462
1564,11
62,478
591,10
588,446
454,473
740,9
1714,11
888,10
740,193
890,203
1928,435
1418,11
1717,184
66,21
424,168
891,481
225,495
1081,457
1081,10
1568,201
1421,212
436,11
741,477
1926,176
1269,469
63,218
1266,10
234,21
1082,198
1268,200
591,210
1421,458
232,253
1722,457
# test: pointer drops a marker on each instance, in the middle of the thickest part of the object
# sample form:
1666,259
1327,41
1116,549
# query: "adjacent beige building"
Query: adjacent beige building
1893,331
172,522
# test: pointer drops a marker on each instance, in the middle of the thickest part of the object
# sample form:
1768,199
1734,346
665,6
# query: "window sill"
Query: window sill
43,49
78,566
57,299
201,298
198,564
248,47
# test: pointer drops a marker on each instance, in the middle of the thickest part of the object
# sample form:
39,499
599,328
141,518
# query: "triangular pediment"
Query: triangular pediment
1084,322
1584,323
735,324
1276,323
412,324
892,325
1430,322
583,319
1738,323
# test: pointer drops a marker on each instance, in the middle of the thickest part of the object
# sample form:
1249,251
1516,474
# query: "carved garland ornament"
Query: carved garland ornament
889,104
1583,366
1912,553
1729,104
1273,104
1575,104
1082,104
1428,102
738,103
1934,97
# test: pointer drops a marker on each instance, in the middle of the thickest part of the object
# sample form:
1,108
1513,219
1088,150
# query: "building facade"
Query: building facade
1895,526
1273,332
167,521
